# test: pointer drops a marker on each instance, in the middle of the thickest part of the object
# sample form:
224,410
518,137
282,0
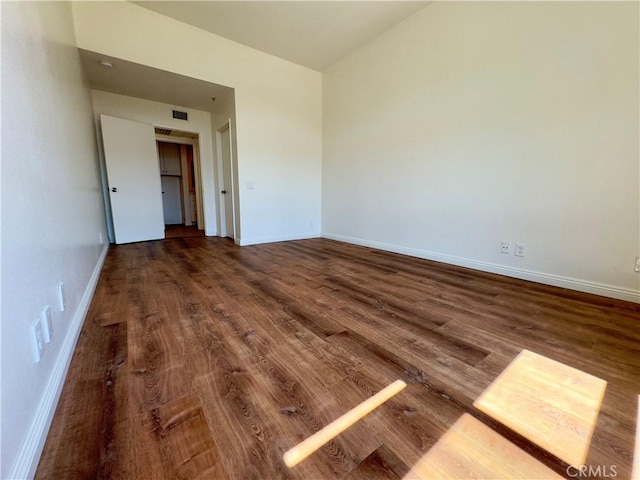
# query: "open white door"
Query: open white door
227,189
133,175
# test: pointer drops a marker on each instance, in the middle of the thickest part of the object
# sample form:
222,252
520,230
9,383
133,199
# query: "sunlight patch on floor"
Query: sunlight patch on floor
635,473
553,405
470,449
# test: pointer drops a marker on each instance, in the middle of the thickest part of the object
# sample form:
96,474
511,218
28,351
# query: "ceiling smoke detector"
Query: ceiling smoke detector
106,64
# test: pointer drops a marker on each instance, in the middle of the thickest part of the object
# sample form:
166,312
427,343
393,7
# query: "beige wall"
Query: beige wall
278,109
472,123
52,217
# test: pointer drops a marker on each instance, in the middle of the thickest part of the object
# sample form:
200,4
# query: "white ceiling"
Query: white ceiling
315,34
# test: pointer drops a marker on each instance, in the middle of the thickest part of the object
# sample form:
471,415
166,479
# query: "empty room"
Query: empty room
320,240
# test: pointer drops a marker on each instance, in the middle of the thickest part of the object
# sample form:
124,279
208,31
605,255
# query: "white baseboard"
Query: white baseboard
29,454
586,286
285,238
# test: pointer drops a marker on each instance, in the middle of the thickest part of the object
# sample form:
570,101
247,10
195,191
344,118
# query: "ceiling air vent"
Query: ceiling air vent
180,115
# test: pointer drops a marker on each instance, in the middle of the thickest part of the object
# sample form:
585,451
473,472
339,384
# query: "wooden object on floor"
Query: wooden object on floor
553,405
470,449
301,451
635,471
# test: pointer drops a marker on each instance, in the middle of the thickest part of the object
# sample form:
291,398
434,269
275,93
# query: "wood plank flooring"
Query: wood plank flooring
180,231
201,359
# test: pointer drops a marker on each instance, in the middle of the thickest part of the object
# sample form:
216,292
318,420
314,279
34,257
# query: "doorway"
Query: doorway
223,137
181,184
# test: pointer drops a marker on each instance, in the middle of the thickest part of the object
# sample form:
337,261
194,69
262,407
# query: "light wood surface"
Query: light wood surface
305,448
635,472
553,405
470,449
201,359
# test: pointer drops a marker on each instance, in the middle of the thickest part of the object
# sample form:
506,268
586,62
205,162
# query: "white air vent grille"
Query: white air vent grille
180,115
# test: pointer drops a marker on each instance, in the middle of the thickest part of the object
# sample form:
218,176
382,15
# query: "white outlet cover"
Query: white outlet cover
47,325
37,341
505,247
520,250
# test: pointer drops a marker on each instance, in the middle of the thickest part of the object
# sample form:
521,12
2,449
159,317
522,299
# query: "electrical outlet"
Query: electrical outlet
62,301
505,247
37,341
521,249
47,325
637,267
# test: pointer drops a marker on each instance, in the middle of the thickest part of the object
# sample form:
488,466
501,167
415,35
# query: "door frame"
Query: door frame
222,214
197,171
186,196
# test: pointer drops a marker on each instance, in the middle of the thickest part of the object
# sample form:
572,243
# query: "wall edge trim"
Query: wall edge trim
29,454
283,238
580,285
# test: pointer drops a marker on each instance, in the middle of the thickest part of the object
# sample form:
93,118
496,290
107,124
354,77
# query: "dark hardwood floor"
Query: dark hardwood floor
201,359
180,231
